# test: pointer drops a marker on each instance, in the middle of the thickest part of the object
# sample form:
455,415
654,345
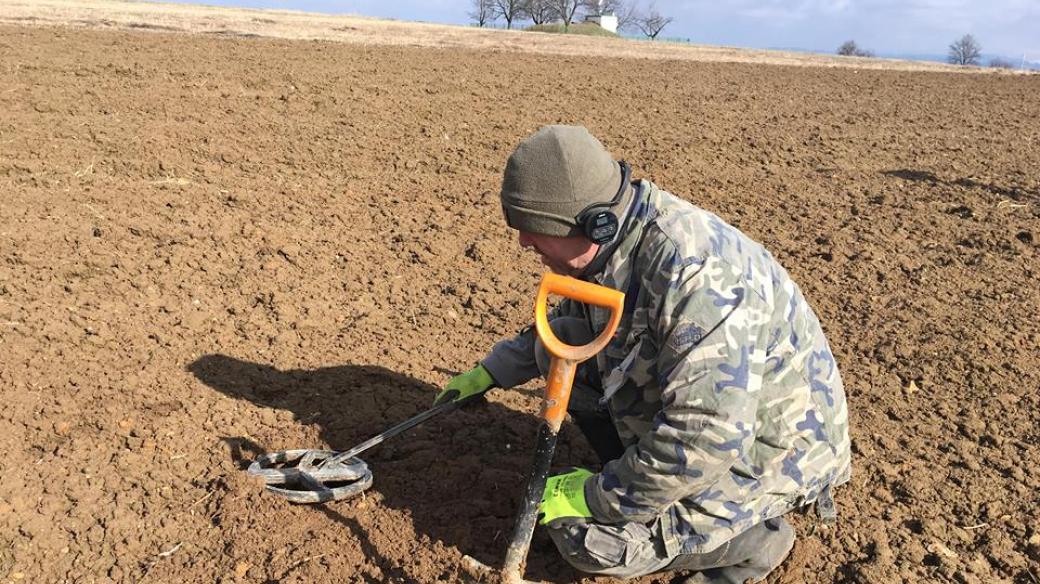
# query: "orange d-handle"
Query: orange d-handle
565,358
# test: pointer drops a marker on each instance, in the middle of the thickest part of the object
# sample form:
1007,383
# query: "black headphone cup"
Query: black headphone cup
601,226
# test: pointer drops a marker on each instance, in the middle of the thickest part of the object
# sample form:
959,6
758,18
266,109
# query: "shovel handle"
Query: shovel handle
565,358
580,291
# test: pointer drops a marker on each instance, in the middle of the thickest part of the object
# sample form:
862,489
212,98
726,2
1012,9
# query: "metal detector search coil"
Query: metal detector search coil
312,476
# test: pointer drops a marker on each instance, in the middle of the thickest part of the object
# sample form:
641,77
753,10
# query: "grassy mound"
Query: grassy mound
585,28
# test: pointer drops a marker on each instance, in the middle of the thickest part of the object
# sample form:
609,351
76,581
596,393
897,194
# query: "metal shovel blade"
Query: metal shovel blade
311,476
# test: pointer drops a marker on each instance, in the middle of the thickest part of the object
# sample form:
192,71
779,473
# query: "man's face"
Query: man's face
567,256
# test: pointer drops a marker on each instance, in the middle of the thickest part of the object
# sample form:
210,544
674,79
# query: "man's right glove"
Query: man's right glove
472,382
563,500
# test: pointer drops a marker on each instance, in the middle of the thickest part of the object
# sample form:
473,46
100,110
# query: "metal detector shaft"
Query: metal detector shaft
318,476
394,431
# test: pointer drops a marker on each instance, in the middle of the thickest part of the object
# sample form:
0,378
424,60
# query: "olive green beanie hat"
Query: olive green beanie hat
555,174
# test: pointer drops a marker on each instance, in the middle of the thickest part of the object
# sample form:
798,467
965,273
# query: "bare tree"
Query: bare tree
539,11
566,10
627,15
851,49
965,51
483,12
601,6
509,10
652,22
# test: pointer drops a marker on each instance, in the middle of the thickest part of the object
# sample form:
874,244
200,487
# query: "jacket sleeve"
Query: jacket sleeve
511,362
706,324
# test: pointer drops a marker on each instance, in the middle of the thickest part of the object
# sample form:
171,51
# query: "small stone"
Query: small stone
241,568
939,549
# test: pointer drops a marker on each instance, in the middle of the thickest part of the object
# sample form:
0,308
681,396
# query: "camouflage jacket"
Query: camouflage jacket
720,381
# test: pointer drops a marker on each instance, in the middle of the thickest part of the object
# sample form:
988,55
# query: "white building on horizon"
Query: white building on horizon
606,20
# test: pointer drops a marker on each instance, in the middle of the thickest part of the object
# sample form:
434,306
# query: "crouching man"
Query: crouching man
715,409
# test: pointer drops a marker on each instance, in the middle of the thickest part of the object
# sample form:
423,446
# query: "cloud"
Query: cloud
776,11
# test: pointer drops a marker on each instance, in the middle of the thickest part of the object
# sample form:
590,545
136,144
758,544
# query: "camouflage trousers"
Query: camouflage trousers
634,549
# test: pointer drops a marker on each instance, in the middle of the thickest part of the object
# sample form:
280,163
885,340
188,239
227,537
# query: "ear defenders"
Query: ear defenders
600,226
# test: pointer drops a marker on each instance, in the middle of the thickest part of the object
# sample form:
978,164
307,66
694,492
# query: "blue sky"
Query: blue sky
888,27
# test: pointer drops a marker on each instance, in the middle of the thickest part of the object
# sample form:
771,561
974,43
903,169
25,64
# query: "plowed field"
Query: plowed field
213,247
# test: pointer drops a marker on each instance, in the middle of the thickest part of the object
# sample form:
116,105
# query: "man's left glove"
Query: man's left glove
464,385
563,500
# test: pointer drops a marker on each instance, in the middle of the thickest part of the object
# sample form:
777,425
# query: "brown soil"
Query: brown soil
215,247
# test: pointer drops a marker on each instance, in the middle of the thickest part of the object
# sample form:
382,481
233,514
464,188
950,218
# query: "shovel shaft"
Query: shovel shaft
558,387
554,408
512,571
565,360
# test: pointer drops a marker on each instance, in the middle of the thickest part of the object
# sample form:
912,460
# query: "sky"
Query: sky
1009,28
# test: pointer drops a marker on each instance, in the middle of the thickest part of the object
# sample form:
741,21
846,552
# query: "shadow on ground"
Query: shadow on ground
458,476
1013,193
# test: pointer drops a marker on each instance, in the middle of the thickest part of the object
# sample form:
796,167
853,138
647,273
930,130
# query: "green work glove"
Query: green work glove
563,500
470,383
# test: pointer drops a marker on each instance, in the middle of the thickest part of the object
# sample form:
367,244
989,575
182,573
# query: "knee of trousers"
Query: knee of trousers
625,551
756,551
